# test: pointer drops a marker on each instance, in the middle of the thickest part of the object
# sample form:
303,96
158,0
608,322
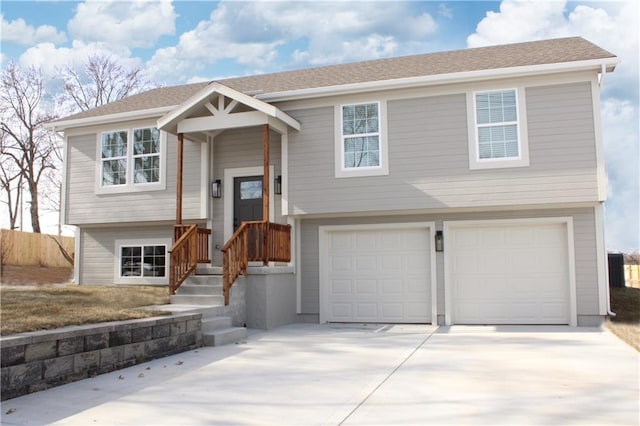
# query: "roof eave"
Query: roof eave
593,64
109,118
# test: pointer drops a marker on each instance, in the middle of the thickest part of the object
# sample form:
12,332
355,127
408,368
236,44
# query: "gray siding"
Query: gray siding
584,239
84,206
235,149
429,162
98,257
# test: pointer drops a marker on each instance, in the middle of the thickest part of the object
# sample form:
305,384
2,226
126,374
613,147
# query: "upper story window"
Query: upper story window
114,158
131,160
146,155
499,138
361,147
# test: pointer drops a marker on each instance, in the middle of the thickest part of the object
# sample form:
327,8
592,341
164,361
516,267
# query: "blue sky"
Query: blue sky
187,41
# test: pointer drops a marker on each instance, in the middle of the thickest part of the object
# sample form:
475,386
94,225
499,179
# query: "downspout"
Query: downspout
603,71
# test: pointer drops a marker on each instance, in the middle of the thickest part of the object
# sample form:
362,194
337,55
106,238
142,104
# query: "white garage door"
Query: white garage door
378,275
509,274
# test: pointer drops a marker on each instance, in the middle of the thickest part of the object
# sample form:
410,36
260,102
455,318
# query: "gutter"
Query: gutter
603,70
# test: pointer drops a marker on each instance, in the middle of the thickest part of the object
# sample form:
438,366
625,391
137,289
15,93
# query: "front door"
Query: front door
247,199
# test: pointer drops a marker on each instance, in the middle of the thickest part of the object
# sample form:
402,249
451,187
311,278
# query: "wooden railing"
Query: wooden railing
252,242
191,247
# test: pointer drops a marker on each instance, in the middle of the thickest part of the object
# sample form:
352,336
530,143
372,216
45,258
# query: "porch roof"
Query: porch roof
217,107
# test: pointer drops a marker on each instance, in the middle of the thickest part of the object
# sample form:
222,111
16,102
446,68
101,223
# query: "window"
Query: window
131,160
360,143
114,158
497,140
143,261
146,155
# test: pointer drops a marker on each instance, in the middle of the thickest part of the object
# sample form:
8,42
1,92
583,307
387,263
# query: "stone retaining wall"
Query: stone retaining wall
39,360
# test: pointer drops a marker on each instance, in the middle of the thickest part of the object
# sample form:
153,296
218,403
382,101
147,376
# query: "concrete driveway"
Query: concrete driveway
306,374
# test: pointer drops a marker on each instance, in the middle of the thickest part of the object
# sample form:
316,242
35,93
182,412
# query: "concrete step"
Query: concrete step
208,270
224,336
206,311
204,280
197,299
211,324
202,289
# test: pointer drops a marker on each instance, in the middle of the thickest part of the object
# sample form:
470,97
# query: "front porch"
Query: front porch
204,118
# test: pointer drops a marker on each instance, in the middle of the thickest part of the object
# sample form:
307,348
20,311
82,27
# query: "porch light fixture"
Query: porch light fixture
216,188
439,241
277,185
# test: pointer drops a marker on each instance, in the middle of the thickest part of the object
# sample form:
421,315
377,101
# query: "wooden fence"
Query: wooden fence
632,275
25,248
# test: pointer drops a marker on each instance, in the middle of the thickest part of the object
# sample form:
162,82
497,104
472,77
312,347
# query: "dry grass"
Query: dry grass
625,302
45,307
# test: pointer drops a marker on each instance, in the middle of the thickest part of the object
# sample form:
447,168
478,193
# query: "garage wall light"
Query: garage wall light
439,241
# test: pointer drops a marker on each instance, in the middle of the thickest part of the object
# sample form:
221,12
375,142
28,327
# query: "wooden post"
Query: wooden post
265,192
179,180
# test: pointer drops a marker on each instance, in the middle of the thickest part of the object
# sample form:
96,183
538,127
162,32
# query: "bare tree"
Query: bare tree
26,141
10,183
102,80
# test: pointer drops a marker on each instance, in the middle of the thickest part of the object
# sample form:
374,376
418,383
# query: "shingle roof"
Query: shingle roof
562,50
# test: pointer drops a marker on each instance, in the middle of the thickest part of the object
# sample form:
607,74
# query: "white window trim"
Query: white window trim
141,242
475,163
130,186
383,168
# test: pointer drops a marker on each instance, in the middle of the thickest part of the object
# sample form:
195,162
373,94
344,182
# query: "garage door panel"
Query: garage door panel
383,275
509,274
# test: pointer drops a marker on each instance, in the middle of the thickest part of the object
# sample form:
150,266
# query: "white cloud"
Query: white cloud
18,31
445,11
620,128
48,57
251,34
613,26
124,23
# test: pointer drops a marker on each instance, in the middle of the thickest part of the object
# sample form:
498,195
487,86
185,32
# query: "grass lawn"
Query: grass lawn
45,307
625,302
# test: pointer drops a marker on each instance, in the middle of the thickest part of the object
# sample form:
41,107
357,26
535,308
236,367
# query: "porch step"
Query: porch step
212,324
204,280
224,336
198,299
208,270
199,289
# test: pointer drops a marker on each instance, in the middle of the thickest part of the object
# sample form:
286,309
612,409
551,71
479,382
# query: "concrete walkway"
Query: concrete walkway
306,374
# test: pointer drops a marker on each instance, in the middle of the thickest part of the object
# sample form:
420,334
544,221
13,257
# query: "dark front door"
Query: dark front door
247,200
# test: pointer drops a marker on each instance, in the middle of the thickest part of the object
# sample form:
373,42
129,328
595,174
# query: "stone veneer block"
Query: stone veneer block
12,355
86,361
72,345
111,356
141,334
134,351
160,331
119,338
93,342
40,351
178,327
25,374
57,367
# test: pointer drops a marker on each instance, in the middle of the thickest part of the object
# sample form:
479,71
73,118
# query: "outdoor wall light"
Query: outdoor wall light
277,185
216,188
439,241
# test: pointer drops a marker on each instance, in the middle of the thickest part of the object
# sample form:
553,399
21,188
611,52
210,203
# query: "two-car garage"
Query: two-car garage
513,271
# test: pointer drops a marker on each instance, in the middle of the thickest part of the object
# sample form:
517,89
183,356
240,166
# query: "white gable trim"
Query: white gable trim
178,116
